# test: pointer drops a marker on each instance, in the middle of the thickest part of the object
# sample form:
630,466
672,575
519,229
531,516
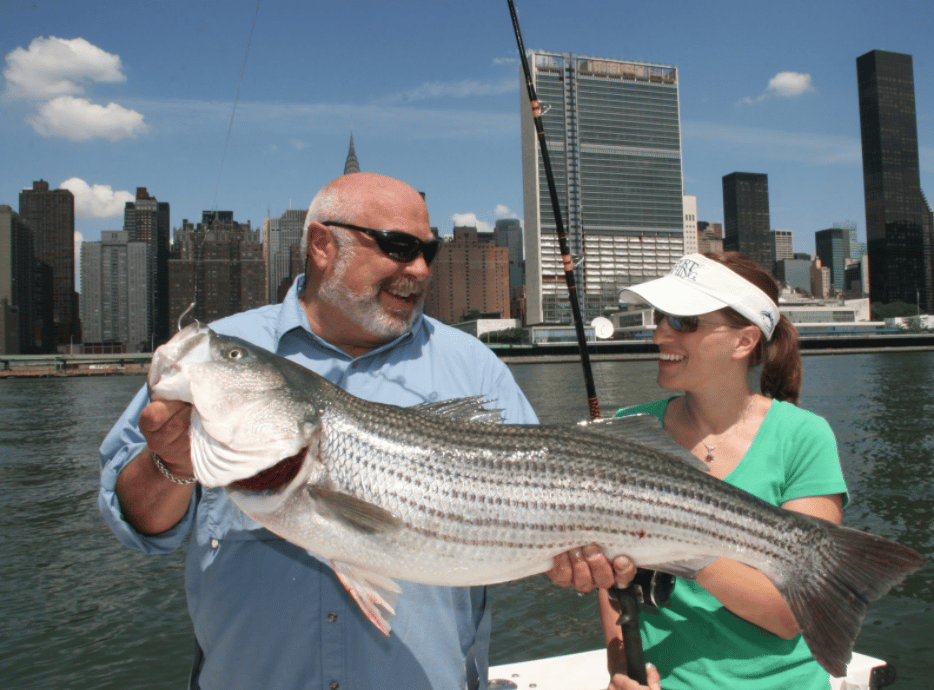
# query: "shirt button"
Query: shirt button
335,685
332,616
215,543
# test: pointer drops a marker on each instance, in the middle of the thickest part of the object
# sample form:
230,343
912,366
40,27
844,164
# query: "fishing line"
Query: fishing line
234,111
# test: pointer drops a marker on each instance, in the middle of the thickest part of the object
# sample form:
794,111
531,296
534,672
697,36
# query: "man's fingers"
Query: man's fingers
157,413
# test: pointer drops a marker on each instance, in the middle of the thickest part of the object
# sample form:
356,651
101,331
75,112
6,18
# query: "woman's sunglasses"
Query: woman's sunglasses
395,244
684,324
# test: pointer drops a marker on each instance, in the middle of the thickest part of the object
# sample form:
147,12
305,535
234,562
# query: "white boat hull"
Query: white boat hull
587,671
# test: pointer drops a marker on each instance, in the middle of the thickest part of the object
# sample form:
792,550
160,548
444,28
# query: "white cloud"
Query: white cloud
467,88
56,66
790,84
470,220
784,85
96,201
503,211
80,120
51,72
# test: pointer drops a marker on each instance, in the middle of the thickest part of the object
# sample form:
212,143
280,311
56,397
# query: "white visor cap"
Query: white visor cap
697,285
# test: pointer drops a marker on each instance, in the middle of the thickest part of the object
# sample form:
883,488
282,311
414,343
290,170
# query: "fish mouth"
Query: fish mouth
275,477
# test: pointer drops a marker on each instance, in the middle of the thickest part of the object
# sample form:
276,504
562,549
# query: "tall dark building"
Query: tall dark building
833,249
746,217
51,215
899,229
147,220
218,265
16,278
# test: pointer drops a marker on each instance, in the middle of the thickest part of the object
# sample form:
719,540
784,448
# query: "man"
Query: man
266,614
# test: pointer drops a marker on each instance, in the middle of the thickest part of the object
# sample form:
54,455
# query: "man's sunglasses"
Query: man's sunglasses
684,324
395,244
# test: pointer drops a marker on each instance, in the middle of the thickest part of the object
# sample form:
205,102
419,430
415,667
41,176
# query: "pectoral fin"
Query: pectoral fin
375,594
354,512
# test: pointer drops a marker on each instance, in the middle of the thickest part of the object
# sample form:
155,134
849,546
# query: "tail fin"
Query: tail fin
830,601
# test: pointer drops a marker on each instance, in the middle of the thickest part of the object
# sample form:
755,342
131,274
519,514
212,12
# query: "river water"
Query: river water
82,612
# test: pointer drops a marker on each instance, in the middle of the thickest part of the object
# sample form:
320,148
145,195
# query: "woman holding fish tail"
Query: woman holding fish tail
716,318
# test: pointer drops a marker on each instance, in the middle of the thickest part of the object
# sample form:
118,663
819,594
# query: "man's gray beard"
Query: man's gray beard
363,308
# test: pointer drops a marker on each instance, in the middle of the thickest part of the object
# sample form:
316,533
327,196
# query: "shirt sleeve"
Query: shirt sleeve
516,407
814,463
122,444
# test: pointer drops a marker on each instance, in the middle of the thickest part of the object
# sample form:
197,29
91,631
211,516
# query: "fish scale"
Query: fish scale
438,494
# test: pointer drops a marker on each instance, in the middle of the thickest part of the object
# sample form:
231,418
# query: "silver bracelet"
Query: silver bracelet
157,461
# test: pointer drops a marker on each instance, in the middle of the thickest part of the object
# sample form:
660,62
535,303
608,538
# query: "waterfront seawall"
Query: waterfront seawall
43,366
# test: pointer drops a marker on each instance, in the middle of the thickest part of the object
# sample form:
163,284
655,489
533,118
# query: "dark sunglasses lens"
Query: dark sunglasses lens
399,246
682,324
404,247
429,251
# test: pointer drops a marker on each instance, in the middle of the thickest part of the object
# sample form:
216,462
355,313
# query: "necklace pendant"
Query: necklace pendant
709,457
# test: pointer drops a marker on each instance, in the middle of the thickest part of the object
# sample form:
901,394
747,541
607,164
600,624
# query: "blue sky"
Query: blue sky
110,95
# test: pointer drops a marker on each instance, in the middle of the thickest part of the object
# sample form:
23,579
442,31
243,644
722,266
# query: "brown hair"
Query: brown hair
782,370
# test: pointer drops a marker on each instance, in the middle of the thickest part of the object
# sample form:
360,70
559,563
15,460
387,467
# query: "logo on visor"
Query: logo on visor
767,319
685,268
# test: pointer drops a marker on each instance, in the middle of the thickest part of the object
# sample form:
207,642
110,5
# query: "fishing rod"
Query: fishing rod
569,278
649,586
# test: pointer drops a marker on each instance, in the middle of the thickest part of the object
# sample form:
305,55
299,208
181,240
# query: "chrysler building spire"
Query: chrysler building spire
351,166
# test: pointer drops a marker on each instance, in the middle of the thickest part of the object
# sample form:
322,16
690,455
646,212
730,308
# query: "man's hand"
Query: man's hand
149,501
164,424
588,567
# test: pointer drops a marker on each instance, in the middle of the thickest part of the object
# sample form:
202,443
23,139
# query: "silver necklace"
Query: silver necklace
710,449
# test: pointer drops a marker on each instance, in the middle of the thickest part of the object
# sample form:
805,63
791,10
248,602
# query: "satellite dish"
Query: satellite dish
602,327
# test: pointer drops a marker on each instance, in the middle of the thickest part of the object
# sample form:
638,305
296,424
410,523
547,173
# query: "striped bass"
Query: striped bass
438,494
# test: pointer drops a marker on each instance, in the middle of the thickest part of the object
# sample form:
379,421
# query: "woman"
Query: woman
717,317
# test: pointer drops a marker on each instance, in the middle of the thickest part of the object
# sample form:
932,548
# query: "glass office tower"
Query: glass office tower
898,218
613,133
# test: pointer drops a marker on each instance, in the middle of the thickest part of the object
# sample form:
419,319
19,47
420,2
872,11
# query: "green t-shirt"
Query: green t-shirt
696,643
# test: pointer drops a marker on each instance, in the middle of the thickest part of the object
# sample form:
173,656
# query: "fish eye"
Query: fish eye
235,354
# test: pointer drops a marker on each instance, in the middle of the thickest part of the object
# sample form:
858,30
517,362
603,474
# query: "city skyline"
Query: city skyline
433,100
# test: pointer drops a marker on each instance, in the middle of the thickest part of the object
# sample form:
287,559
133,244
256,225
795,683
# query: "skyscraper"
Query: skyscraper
613,133
16,278
899,222
746,224
147,220
351,165
51,215
114,298
218,265
782,246
279,236
470,274
833,249
690,224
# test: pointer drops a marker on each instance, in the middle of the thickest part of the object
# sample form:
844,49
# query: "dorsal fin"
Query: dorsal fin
647,430
463,409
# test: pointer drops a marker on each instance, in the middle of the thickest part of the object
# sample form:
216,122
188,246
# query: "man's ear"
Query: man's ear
321,246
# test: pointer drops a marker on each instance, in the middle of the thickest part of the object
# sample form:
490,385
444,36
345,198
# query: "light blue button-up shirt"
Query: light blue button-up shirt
266,614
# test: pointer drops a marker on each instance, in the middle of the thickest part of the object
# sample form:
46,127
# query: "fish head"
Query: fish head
248,415
166,380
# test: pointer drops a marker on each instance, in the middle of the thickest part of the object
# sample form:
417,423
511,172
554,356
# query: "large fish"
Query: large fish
437,494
